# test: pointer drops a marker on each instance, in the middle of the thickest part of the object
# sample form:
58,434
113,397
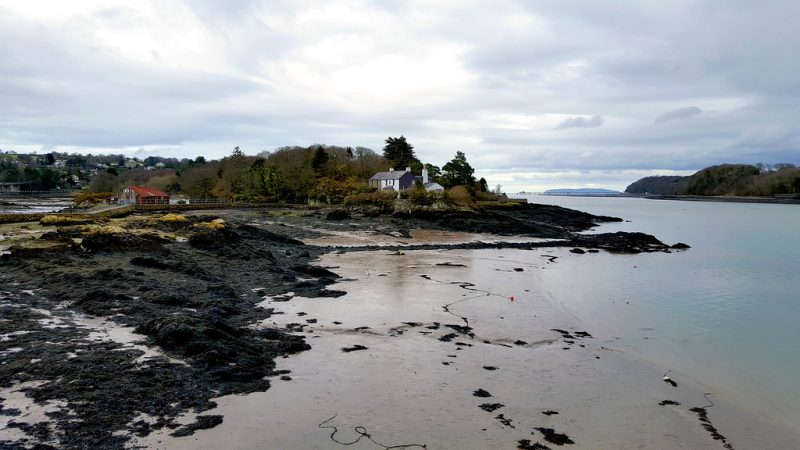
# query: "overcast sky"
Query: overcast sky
537,94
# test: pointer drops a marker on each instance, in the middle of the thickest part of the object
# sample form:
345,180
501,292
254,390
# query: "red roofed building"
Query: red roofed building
142,195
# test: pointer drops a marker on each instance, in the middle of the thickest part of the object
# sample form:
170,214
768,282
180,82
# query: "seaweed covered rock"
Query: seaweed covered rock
620,242
252,232
114,239
337,214
195,307
170,222
212,235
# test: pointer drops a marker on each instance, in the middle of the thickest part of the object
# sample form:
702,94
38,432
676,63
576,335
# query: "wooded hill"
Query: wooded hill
725,180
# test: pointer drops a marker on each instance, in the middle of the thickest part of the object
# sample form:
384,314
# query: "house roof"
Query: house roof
144,191
393,175
433,185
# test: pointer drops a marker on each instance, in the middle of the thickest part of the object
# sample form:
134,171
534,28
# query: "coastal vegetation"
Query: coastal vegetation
725,180
318,173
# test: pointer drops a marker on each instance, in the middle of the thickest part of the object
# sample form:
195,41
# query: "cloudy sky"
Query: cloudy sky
537,94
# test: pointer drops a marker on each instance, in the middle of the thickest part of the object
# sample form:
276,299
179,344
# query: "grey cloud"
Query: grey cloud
678,114
58,87
581,122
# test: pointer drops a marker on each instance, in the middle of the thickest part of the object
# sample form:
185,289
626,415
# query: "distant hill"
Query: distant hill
725,179
658,185
581,191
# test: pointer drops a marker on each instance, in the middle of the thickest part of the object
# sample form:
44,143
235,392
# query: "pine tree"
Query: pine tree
399,152
458,172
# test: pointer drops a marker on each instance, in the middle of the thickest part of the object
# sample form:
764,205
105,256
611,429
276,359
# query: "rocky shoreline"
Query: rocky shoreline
191,287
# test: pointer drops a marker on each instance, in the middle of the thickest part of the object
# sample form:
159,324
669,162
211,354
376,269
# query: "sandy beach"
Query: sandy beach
414,382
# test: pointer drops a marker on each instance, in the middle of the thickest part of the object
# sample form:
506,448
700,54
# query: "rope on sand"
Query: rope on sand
362,433
702,414
467,286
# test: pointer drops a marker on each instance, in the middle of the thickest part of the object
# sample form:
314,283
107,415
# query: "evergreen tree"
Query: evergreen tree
320,160
458,172
399,153
482,185
434,173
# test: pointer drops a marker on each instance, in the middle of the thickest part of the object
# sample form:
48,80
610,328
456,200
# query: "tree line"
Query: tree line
289,174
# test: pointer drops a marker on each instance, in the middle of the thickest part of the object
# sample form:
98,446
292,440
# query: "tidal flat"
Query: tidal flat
288,330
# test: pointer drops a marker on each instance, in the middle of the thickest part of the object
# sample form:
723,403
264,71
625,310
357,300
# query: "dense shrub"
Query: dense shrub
332,191
382,200
420,197
460,196
487,196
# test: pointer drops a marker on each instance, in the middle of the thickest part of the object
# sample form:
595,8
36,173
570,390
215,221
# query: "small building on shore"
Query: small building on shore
430,186
401,180
397,180
143,195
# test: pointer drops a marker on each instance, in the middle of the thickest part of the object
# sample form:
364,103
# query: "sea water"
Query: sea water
725,312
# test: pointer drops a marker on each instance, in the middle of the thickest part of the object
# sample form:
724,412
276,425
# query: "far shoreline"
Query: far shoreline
688,198
700,198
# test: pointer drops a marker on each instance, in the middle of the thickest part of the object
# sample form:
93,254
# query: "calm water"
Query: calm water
32,205
725,312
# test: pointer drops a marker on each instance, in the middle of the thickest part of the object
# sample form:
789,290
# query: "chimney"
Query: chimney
408,169
424,176
391,169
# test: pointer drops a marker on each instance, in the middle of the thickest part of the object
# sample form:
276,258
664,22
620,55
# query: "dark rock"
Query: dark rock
578,251
121,242
353,348
212,239
448,337
450,264
314,271
491,407
551,436
525,444
504,420
200,423
337,214
481,393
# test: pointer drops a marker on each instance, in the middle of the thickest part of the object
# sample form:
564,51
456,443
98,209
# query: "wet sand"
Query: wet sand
414,382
